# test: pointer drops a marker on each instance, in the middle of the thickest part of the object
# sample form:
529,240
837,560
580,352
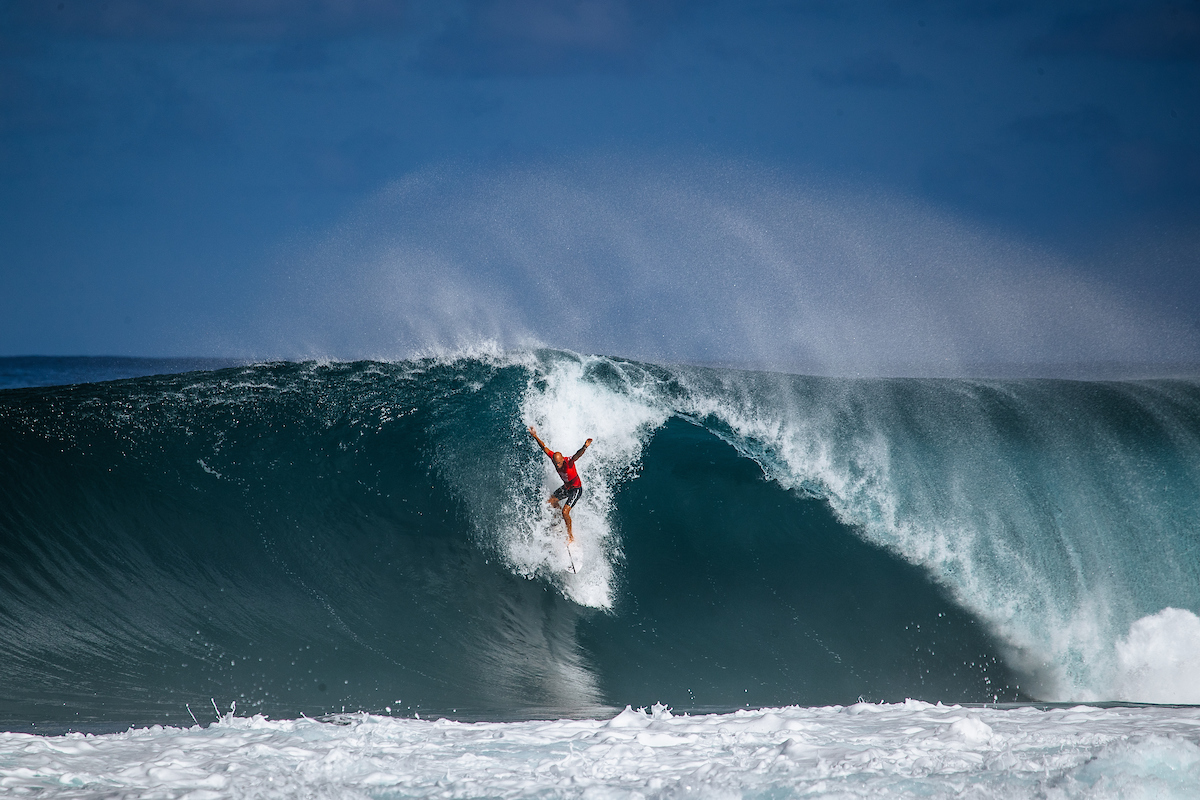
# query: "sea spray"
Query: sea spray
715,262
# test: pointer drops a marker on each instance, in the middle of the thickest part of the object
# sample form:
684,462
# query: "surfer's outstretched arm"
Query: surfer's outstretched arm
538,439
582,450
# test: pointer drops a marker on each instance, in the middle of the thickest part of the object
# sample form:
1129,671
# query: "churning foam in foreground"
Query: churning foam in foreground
911,749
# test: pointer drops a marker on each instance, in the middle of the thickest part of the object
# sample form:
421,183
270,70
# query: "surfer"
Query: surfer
569,493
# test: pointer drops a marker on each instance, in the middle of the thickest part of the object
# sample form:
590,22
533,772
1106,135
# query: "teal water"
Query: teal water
300,538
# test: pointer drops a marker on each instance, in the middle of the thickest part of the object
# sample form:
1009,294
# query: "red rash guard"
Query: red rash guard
568,473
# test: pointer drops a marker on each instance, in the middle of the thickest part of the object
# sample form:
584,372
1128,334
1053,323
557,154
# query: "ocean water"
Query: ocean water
20,371
353,566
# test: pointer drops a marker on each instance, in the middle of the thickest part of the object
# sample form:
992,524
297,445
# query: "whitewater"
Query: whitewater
810,586
904,750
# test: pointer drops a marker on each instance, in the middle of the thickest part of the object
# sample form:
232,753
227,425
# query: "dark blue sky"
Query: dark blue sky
221,177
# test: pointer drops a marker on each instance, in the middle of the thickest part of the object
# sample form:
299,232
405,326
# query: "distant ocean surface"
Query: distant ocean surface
828,586
21,371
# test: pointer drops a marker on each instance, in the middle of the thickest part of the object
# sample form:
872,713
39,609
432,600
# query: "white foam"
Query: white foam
569,404
971,730
1159,661
911,749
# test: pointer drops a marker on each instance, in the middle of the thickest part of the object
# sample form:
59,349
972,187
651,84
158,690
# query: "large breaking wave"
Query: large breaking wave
303,537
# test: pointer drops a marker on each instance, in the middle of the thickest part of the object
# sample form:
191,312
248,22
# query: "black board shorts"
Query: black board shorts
568,496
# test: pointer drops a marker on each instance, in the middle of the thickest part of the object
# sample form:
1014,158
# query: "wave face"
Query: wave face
300,538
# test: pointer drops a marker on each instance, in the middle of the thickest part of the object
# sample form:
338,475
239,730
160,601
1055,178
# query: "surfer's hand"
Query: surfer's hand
532,431
588,443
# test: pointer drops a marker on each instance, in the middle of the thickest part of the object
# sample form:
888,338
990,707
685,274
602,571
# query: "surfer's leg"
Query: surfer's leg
567,518
553,501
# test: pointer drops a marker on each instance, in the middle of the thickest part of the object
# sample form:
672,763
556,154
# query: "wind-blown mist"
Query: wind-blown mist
719,264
